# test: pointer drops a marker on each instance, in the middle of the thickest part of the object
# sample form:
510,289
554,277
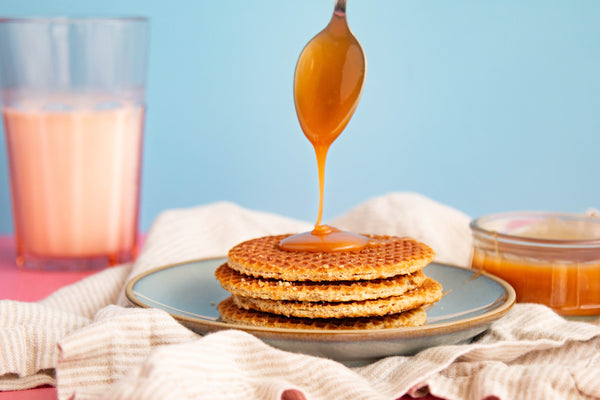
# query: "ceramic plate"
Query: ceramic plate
472,301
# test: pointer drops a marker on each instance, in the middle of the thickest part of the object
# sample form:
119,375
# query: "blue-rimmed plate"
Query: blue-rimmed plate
472,301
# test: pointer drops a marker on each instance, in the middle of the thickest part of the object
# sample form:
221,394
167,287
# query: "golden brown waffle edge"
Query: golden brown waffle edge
429,292
273,289
231,313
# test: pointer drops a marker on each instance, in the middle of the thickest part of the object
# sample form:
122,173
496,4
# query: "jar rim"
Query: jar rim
476,226
72,19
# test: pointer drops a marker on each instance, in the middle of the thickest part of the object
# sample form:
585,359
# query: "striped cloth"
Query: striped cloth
87,341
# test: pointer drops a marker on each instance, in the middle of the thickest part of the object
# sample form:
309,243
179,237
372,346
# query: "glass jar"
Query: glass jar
549,258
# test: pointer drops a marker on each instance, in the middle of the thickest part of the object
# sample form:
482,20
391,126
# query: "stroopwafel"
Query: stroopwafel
388,256
273,289
233,314
429,292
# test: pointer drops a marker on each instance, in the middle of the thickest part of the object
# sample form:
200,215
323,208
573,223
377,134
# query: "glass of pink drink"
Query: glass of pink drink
73,107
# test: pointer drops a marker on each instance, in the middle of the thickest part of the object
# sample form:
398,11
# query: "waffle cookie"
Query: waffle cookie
233,314
379,286
273,289
428,293
385,257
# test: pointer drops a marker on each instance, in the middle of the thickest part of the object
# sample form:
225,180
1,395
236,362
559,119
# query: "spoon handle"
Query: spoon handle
340,7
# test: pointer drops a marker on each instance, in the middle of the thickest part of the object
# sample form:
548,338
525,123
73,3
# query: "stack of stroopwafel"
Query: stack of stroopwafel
379,286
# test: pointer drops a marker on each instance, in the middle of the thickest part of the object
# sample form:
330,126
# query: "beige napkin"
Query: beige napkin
86,341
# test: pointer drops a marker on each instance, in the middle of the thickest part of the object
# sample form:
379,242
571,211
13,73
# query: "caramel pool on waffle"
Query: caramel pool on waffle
379,286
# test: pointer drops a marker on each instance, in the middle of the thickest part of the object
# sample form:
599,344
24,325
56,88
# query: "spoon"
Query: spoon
328,83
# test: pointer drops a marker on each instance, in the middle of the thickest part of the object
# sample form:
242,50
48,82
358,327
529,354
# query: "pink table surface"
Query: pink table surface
25,285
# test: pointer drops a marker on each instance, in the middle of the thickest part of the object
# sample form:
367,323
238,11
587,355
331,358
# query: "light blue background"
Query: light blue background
483,105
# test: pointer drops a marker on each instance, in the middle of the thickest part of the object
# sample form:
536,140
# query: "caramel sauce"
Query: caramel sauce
325,238
552,260
567,288
328,83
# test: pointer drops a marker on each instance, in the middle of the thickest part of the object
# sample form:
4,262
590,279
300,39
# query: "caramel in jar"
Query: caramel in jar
548,259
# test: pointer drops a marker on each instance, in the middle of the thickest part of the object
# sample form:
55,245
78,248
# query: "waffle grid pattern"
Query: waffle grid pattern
389,256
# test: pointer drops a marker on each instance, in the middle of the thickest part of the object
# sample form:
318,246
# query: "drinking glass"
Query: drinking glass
72,92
